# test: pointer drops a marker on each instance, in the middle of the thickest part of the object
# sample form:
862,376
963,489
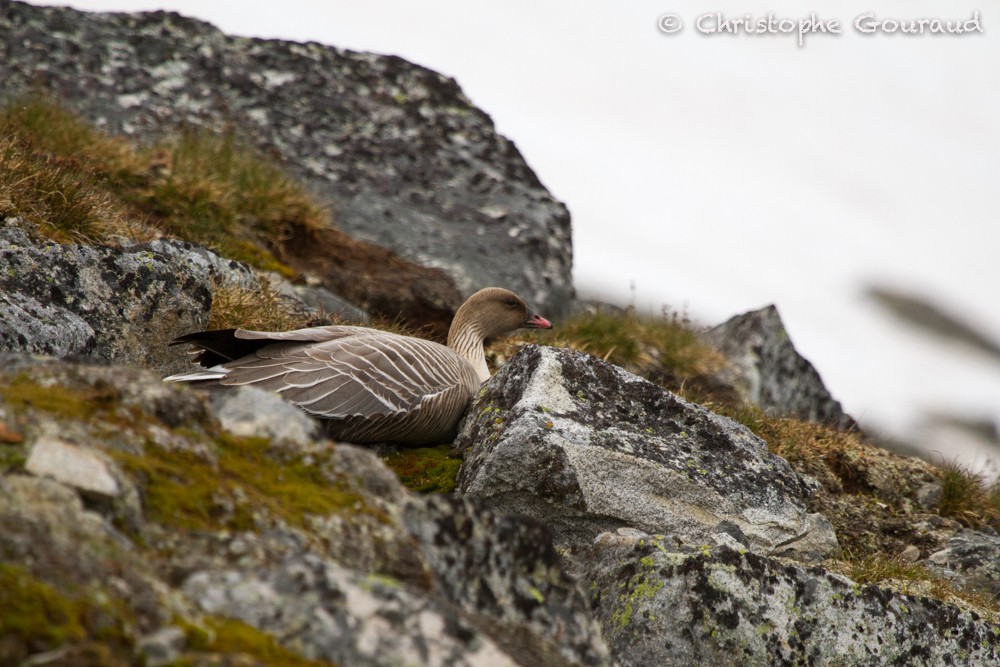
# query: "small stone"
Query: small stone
252,412
162,647
910,554
8,435
71,465
929,495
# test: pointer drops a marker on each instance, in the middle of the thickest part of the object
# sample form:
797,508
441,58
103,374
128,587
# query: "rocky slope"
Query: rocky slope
598,518
396,150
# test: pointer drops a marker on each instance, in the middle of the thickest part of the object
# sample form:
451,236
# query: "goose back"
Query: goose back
367,385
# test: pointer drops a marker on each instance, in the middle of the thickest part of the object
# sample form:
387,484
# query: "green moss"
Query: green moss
185,490
426,469
232,637
33,611
60,401
12,458
36,617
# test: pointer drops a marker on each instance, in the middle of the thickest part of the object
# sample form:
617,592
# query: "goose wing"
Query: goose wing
343,372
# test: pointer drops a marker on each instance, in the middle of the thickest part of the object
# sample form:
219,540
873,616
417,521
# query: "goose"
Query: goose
367,385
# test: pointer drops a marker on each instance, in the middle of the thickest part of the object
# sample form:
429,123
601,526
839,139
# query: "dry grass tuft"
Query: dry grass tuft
80,185
261,309
54,172
911,579
665,349
216,190
967,498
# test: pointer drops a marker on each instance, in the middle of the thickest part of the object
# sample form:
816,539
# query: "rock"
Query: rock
58,546
252,412
929,495
122,305
316,546
74,466
973,559
397,150
585,447
504,572
770,373
162,647
319,300
662,604
911,554
327,612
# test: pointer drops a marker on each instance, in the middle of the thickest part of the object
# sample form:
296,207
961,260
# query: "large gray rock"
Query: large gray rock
327,612
121,305
972,559
769,372
400,154
586,447
661,604
529,604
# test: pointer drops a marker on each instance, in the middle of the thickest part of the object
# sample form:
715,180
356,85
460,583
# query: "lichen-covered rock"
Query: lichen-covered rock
586,447
770,373
252,412
65,572
327,612
971,558
122,305
184,510
401,155
510,581
662,604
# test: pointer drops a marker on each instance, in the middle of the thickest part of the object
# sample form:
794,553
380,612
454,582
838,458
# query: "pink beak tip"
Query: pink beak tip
537,322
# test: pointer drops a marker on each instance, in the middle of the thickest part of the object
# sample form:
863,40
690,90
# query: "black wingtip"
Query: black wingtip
199,337
218,346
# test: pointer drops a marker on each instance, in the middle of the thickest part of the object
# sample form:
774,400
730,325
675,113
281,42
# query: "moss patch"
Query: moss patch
235,638
35,617
58,400
244,483
427,469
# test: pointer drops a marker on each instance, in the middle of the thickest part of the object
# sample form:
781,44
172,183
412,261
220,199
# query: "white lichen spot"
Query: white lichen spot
130,100
275,79
171,75
258,116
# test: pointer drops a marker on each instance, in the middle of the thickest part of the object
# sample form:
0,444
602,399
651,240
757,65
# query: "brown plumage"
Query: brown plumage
368,385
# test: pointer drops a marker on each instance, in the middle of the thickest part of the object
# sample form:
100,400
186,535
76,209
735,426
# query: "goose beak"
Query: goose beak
533,321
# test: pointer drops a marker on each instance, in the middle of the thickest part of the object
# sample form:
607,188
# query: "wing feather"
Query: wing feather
351,372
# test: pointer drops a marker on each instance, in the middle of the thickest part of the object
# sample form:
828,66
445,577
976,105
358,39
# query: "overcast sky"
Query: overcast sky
720,172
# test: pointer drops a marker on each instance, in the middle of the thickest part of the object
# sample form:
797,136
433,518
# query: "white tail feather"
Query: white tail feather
197,376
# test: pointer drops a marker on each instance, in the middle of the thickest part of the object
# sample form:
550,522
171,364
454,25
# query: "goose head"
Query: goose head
491,311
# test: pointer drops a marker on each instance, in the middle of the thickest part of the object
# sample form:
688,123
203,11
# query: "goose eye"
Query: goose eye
510,302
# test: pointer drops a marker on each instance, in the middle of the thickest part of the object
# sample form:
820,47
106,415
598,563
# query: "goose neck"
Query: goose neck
466,338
